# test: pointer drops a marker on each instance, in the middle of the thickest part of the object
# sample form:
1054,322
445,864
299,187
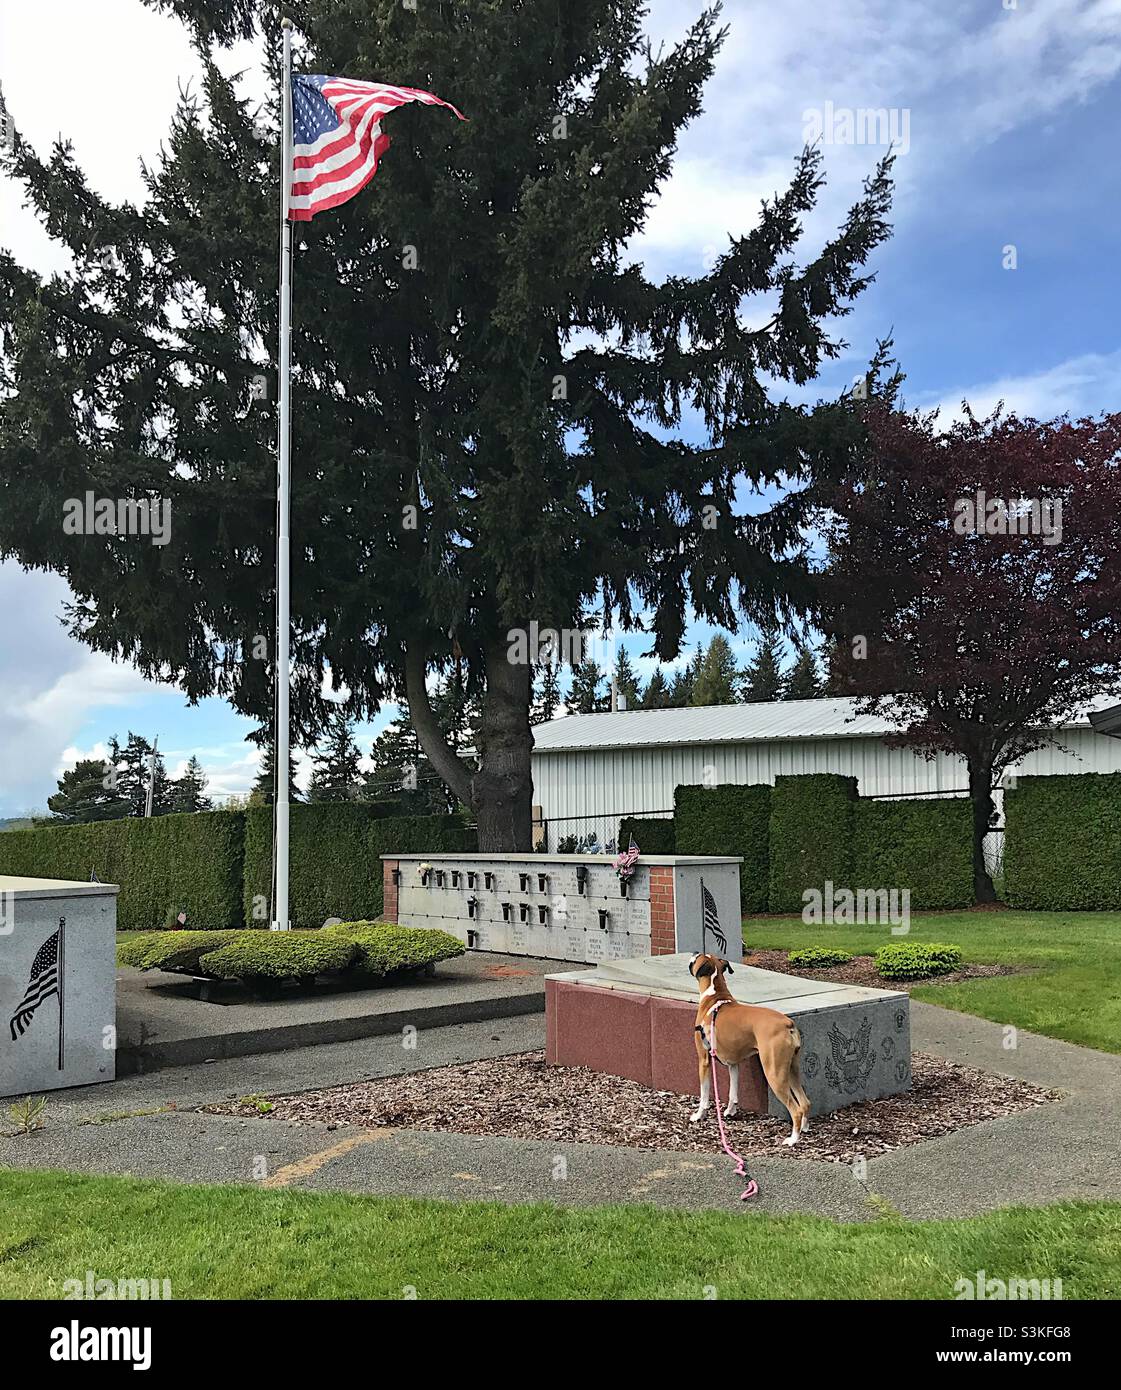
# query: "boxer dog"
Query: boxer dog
739,1032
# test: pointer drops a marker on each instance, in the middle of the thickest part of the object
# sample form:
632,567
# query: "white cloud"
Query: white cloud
1077,387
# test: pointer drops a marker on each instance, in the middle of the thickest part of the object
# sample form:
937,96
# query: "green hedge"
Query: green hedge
923,844
217,865
652,835
163,865
335,858
811,835
1062,843
728,820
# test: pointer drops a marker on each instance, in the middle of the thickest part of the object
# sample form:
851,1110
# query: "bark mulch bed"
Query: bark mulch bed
520,1097
861,970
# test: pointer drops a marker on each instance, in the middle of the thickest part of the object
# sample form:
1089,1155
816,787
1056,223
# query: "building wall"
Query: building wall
582,791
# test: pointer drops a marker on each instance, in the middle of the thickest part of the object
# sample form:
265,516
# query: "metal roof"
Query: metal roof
833,717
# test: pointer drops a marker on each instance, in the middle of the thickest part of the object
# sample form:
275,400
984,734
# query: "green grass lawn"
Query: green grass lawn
1073,992
242,1242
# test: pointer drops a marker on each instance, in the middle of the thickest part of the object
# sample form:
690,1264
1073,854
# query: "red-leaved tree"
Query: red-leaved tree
973,586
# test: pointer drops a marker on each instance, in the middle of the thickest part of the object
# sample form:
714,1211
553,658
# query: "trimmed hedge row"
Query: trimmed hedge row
163,865
811,836
217,865
653,835
925,845
335,858
807,830
728,820
1062,842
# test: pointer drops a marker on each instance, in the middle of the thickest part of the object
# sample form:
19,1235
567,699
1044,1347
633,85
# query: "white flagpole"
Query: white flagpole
284,368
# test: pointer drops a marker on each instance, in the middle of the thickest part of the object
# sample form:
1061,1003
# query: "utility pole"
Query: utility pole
149,800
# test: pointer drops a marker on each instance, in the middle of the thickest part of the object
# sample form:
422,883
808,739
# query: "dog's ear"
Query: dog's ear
727,968
692,963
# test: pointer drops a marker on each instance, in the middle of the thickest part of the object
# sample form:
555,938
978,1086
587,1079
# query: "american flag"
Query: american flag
710,921
42,984
337,137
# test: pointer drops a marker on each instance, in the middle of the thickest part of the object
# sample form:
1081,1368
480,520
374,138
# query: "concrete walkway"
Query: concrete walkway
1069,1149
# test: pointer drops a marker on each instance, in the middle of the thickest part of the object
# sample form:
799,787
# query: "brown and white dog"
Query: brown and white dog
739,1032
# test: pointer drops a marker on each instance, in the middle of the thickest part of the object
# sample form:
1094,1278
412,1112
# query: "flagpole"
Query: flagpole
61,992
284,367
704,929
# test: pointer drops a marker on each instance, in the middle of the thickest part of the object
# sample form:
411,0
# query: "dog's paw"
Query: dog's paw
731,1112
695,1116
790,1140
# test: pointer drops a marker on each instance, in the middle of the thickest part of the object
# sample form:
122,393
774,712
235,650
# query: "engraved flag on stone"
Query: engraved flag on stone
42,984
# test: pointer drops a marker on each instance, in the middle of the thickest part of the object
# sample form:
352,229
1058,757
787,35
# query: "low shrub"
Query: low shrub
914,960
383,948
819,955
170,950
368,950
279,955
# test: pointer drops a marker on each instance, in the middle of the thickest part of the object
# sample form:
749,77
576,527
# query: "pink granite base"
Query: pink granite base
641,1037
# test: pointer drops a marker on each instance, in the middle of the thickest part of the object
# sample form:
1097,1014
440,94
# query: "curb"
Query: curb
135,1060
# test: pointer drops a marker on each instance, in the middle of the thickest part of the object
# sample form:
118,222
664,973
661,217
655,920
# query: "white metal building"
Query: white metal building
590,769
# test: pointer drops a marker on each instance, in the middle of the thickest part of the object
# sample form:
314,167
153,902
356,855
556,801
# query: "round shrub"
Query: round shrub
274,955
819,955
383,948
170,950
915,960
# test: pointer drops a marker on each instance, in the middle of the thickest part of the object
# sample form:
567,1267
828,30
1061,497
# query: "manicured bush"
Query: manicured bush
368,950
818,955
169,950
811,833
335,854
1062,843
924,844
915,960
651,834
728,820
384,948
278,955
163,865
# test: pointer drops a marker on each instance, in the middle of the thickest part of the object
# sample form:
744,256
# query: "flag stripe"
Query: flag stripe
337,137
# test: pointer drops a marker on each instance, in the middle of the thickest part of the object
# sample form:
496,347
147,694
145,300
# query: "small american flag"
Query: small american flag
337,137
42,984
710,920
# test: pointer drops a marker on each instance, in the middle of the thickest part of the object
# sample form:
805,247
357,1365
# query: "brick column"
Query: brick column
389,889
663,929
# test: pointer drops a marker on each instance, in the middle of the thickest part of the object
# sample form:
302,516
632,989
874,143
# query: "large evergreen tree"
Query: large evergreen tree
626,681
716,678
586,693
263,792
546,694
129,769
335,775
762,678
83,796
802,680
487,397
657,692
188,793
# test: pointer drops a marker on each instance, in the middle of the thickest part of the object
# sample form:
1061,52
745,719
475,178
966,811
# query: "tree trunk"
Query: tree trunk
981,795
501,792
503,786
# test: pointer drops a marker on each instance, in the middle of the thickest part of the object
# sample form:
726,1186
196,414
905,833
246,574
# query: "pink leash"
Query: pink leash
752,1188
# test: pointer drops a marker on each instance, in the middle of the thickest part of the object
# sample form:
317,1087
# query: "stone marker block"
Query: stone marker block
856,1042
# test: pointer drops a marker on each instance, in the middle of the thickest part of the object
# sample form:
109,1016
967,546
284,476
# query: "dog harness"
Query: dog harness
709,1041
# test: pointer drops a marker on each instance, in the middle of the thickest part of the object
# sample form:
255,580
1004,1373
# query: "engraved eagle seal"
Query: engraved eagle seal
853,1058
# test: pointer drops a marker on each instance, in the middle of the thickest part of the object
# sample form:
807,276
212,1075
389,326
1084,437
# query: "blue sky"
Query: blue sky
1013,109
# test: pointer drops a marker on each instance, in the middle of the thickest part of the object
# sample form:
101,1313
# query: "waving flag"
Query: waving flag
338,139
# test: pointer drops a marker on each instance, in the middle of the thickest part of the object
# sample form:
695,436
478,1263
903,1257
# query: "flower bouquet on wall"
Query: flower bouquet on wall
625,865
